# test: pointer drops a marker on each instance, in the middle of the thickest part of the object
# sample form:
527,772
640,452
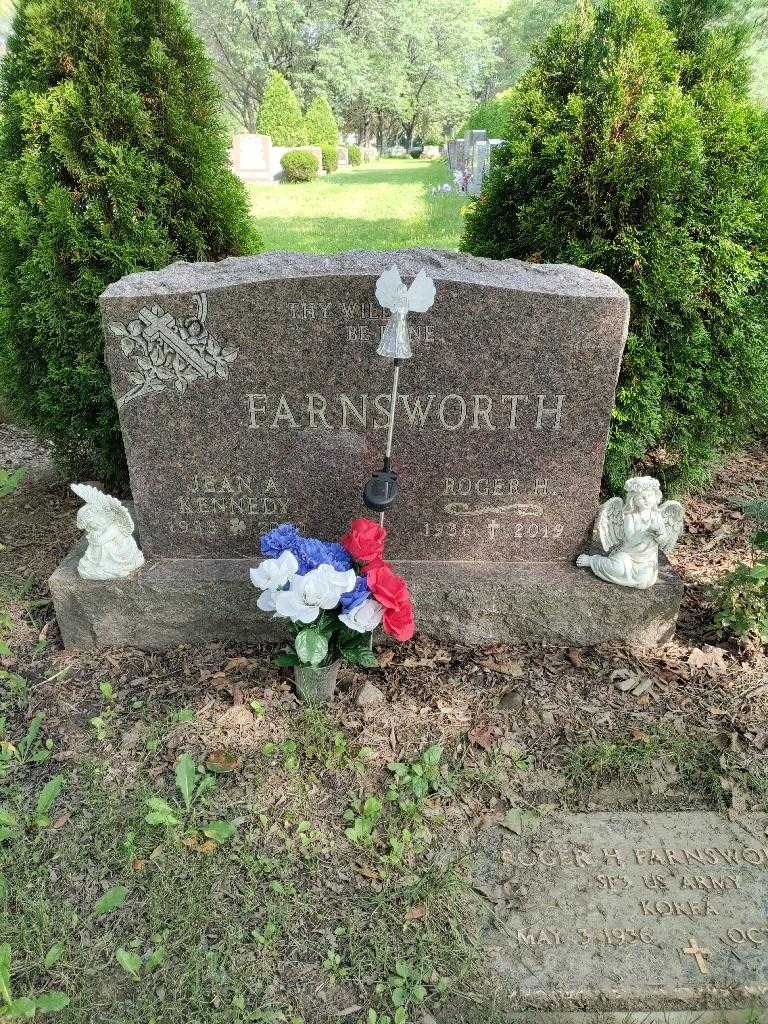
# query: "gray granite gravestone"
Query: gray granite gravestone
250,393
655,912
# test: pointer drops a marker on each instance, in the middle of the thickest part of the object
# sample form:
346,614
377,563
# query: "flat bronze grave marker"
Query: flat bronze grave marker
631,911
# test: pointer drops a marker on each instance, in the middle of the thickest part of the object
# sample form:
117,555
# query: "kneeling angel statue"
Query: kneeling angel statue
112,552
632,531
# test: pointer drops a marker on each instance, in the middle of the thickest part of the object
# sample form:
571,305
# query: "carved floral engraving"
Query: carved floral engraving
170,352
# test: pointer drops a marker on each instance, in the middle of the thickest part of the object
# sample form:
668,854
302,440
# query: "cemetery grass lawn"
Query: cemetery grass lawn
381,205
306,883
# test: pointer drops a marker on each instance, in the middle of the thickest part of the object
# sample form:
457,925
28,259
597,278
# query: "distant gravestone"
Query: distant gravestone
455,155
250,156
250,393
481,155
629,912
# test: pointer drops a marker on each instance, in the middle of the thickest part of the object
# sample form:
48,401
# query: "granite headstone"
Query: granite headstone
250,393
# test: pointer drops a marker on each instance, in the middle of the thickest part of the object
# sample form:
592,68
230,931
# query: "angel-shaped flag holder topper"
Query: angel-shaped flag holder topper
393,294
112,552
631,531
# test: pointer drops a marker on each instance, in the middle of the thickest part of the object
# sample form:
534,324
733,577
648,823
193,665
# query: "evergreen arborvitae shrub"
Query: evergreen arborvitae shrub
330,158
354,155
112,160
492,115
280,114
300,165
320,125
632,156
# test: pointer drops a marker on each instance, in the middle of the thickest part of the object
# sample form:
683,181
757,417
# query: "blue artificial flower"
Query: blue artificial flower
284,537
311,552
355,597
338,556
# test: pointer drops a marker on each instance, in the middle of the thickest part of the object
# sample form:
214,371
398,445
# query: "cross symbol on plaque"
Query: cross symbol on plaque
164,328
698,954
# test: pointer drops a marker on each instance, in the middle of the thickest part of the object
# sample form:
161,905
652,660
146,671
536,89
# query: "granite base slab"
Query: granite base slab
197,601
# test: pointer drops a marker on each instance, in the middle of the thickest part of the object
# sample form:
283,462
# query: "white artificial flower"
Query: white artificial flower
267,600
364,617
274,573
319,588
290,605
324,585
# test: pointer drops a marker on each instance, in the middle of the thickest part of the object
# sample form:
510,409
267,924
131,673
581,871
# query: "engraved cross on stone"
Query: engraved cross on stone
163,326
698,954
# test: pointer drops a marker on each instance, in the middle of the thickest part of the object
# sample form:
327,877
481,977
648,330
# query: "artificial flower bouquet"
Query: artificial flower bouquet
334,594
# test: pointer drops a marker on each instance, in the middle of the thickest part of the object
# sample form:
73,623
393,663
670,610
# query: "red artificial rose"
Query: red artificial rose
389,589
377,563
399,622
364,540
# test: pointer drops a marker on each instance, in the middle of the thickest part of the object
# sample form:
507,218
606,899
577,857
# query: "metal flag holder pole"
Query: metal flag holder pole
381,491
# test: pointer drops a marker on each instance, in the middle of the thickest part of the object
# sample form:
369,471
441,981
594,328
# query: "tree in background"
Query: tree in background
521,25
314,44
112,160
444,64
400,68
320,125
280,114
643,158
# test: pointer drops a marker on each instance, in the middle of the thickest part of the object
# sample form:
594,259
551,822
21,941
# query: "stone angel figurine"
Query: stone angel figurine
393,294
632,531
112,552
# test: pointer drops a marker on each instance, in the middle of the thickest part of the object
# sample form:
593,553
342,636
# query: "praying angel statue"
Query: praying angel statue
632,531
112,552
394,295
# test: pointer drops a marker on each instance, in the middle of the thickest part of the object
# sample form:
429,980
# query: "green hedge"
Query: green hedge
112,160
300,165
330,158
630,156
320,125
493,116
280,114
354,155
